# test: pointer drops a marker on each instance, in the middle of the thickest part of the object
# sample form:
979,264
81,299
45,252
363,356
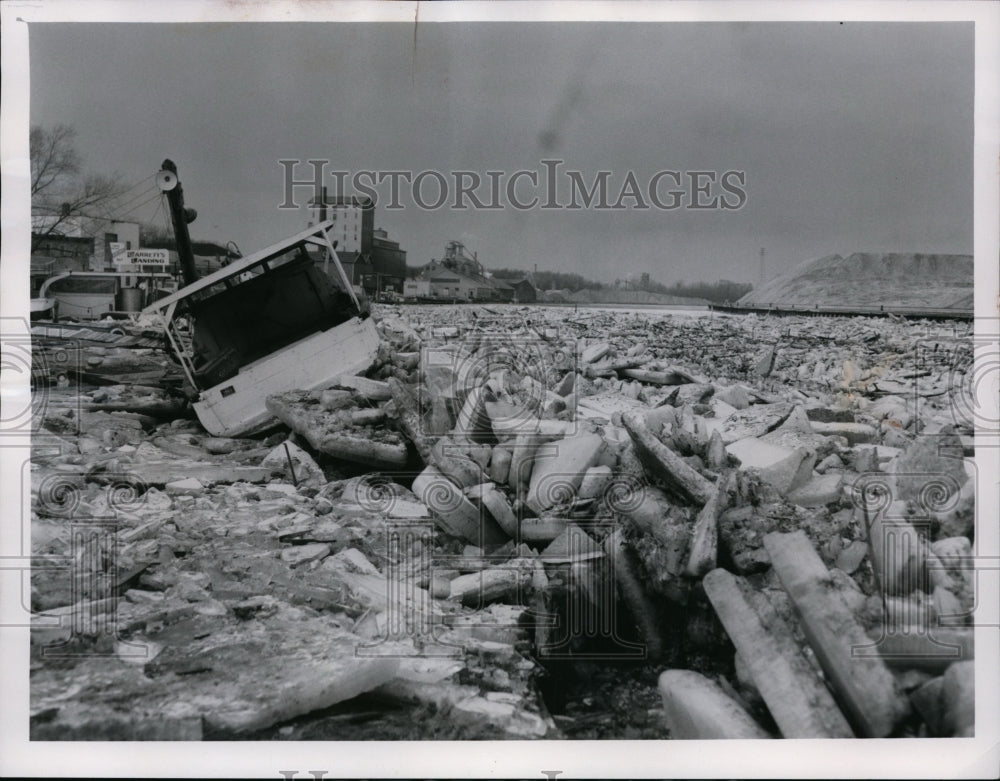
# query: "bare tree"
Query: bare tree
152,235
52,157
59,191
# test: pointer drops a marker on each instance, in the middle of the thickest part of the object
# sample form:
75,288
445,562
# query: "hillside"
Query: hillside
872,279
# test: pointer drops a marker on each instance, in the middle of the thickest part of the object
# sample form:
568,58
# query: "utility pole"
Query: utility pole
168,182
762,253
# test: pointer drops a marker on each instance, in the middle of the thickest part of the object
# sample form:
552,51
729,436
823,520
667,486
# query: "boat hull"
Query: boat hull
236,407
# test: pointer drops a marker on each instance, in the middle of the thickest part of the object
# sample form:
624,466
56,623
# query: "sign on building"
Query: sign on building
117,249
139,260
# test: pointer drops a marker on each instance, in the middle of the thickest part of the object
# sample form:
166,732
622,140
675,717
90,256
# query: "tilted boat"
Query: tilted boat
266,323
273,321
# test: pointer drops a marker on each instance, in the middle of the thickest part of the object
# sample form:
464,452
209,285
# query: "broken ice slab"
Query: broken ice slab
818,491
541,530
931,464
57,625
850,558
500,461
508,420
734,395
162,472
947,703
507,711
300,555
605,406
664,465
654,377
454,512
954,556
697,708
523,451
705,534
958,695
454,458
295,465
915,646
663,532
926,701
187,487
899,556
594,352
373,390
220,446
244,676
798,700
515,715
754,421
499,508
783,467
559,469
331,433
642,609
854,433
54,717
473,422
495,583
595,481
863,684
572,545
400,598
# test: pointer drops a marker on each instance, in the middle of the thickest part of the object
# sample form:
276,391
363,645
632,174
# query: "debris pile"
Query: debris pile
532,523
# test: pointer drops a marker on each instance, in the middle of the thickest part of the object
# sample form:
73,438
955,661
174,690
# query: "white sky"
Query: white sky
853,137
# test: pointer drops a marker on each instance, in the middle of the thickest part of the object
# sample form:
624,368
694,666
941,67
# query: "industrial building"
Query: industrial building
458,276
370,258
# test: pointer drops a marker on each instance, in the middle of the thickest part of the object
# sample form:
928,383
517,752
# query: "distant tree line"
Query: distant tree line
716,292
547,280
156,236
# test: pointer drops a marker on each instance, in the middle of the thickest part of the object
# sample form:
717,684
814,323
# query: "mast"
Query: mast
168,182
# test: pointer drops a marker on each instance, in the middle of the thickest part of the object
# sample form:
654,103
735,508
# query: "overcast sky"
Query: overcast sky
852,137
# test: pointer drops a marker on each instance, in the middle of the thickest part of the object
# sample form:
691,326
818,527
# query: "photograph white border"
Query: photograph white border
913,758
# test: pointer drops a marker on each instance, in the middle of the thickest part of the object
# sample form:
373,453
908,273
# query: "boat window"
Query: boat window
84,285
263,314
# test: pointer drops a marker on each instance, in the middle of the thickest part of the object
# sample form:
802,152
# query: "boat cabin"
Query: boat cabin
272,321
